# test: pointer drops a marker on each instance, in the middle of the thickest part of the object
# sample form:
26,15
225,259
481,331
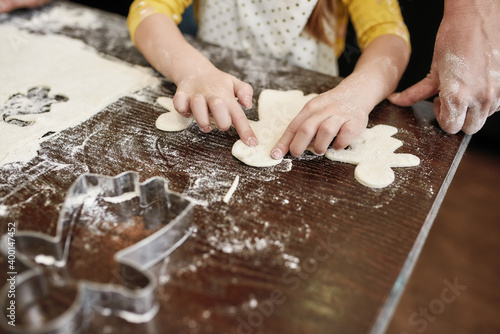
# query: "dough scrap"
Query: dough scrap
232,189
373,153
171,121
276,110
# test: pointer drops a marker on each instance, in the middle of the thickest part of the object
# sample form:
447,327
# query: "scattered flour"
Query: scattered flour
4,210
292,262
67,67
59,16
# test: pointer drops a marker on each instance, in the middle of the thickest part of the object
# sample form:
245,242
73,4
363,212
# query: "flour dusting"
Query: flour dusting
4,210
81,82
57,17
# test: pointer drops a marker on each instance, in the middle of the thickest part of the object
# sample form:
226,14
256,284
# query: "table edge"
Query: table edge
387,311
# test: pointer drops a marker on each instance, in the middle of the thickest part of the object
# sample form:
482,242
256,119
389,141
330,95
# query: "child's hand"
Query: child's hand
343,111
210,91
202,89
332,114
9,5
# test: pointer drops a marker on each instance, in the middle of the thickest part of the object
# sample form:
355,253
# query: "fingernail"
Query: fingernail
252,142
207,129
276,154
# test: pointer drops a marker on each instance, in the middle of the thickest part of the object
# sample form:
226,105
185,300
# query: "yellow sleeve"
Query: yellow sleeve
140,9
373,18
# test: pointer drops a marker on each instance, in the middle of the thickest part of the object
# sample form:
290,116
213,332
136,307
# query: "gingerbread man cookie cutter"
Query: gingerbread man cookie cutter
134,299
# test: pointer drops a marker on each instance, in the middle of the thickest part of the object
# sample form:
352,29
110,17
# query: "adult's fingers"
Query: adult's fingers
494,109
452,112
485,103
474,120
464,111
437,107
422,90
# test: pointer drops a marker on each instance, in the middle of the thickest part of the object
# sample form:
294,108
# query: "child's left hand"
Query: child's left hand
335,113
342,112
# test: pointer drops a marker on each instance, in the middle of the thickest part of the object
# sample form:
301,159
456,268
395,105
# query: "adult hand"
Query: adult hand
465,69
9,5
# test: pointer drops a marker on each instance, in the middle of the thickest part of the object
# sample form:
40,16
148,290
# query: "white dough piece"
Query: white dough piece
276,110
373,153
232,189
171,121
66,67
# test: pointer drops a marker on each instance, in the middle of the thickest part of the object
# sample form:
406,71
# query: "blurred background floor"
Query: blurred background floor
463,245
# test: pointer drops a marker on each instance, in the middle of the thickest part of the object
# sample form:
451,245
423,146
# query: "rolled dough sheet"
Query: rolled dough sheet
65,67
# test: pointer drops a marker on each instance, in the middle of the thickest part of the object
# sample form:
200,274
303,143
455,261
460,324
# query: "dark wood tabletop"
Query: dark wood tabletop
301,247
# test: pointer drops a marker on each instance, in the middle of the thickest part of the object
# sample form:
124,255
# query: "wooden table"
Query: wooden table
301,247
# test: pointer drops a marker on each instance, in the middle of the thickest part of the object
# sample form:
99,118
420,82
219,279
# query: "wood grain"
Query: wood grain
301,247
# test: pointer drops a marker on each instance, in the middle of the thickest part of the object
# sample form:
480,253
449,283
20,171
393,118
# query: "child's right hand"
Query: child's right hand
207,90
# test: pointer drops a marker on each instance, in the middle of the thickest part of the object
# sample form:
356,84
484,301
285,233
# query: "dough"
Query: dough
373,153
231,190
276,110
61,66
171,121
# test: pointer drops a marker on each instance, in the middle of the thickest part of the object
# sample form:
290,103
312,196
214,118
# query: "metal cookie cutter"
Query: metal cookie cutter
41,258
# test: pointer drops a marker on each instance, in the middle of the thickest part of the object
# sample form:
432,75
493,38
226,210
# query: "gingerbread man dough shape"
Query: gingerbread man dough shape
373,153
